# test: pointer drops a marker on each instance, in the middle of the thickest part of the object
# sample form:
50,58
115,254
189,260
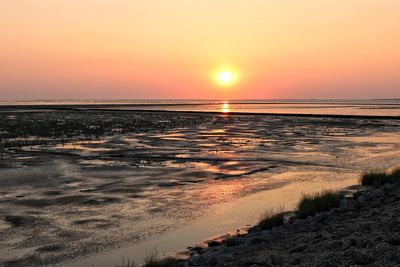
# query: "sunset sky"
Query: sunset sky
175,48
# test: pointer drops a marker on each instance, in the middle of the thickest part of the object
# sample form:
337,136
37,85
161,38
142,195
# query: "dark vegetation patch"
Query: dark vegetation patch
100,201
196,174
310,205
66,200
35,203
153,260
52,193
169,184
379,178
167,262
73,199
50,248
125,190
271,218
31,260
93,222
64,126
19,221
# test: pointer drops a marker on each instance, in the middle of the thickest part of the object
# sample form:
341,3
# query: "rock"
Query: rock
394,240
298,249
300,224
194,261
329,264
291,219
389,187
343,203
378,193
320,217
335,245
376,204
214,244
203,260
392,225
361,200
257,240
367,235
256,262
360,257
351,242
389,199
296,261
275,260
395,191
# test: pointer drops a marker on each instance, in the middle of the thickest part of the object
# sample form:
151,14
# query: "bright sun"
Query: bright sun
225,78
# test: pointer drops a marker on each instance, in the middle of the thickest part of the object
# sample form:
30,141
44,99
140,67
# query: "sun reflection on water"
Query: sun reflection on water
225,108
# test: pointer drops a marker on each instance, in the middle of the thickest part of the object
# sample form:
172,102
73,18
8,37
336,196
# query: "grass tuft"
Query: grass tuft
128,263
271,218
379,178
152,260
326,200
166,262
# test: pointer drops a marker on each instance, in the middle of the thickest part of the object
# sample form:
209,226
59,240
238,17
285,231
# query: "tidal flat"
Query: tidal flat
89,187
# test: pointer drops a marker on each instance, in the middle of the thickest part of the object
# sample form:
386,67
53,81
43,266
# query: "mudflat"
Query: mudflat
75,184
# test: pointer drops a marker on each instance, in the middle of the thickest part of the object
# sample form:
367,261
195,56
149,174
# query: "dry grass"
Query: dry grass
272,218
152,259
378,178
326,200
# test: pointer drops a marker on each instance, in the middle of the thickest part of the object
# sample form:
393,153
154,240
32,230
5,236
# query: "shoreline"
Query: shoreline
239,213
339,231
216,242
101,108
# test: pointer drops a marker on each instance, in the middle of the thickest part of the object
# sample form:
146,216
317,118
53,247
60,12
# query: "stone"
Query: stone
299,249
296,261
388,200
335,245
214,244
394,240
275,260
360,257
351,242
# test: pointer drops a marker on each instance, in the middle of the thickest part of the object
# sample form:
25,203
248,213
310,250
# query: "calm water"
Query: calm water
390,107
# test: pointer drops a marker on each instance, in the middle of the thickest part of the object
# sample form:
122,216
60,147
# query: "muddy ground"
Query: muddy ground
77,183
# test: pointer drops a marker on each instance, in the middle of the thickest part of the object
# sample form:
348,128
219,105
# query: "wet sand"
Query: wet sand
91,187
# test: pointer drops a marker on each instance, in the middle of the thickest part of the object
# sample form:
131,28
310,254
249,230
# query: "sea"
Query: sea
355,107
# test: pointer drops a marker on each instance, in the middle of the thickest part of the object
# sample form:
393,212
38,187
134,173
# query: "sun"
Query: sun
225,77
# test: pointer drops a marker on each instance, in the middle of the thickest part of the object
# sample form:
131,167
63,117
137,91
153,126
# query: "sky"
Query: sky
173,49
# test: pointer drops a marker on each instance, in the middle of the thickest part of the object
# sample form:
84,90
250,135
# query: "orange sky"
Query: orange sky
170,48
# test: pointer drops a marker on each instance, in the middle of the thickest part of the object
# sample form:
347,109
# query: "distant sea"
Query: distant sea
373,107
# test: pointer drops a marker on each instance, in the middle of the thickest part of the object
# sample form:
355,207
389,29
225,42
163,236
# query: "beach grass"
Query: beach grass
127,263
152,259
311,204
166,262
378,178
272,218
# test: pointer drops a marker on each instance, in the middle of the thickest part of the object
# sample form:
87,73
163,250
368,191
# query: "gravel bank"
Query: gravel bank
365,230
